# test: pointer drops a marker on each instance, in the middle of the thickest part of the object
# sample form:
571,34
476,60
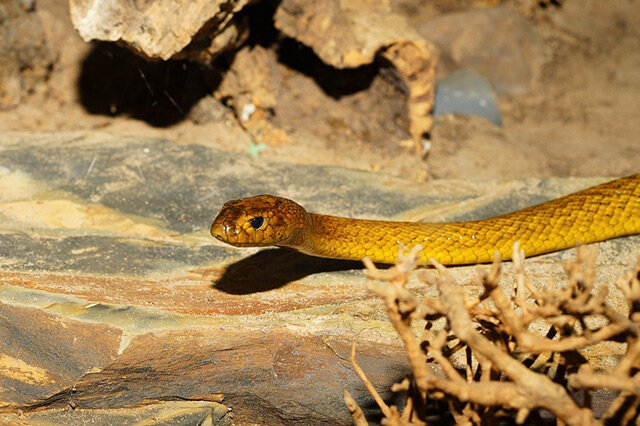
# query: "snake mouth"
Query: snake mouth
231,235
219,237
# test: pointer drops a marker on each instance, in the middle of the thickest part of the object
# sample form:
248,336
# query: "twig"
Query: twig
356,412
367,383
590,380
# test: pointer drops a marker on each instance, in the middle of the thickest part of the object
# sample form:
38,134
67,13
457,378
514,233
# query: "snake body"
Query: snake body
599,213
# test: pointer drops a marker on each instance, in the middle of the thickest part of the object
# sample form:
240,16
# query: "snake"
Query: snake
602,212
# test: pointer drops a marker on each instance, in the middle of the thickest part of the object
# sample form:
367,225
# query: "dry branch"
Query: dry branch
356,412
496,378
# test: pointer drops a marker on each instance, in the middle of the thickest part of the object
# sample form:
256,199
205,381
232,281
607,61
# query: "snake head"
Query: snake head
263,220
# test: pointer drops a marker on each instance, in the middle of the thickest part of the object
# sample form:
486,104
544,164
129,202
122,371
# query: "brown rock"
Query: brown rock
26,54
249,81
290,100
249,87
43,353
162,28
343,34
165,412
268,376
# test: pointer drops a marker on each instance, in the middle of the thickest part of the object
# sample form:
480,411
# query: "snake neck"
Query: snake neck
346,238
326,236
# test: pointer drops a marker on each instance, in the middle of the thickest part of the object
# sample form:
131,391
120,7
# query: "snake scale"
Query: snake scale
599,213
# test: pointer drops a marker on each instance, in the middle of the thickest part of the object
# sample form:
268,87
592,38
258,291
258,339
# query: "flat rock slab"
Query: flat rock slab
164,413
115,301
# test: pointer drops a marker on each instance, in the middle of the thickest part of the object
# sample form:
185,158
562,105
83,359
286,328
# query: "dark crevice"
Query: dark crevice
115,81
260,16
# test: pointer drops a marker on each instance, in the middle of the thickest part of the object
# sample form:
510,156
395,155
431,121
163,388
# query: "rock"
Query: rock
163,28
250,88
343,34
289,99
207,110
26,55
166,412
250,80
43,352
115,300
497,42
263,374
466,93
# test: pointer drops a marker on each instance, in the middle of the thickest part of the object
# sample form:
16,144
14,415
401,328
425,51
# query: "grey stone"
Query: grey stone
467,93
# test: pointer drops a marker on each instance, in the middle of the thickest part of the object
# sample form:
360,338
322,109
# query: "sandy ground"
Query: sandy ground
580,118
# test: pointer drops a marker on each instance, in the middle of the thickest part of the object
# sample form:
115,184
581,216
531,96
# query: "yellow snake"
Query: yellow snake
599,213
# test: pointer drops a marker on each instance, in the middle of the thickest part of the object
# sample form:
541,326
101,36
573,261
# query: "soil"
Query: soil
580,117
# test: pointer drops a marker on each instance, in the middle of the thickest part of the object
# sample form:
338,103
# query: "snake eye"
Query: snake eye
257,222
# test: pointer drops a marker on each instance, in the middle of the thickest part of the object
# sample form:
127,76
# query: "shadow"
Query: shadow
115,81
436,412
273,268
334,82
261,17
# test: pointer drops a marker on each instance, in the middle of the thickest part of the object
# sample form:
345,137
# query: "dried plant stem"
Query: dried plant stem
356,412
492,381
589,380
372,390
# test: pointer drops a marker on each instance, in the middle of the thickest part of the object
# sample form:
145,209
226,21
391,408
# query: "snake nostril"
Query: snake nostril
225,230
217,231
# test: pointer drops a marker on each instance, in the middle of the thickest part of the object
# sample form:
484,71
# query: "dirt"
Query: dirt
580,117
